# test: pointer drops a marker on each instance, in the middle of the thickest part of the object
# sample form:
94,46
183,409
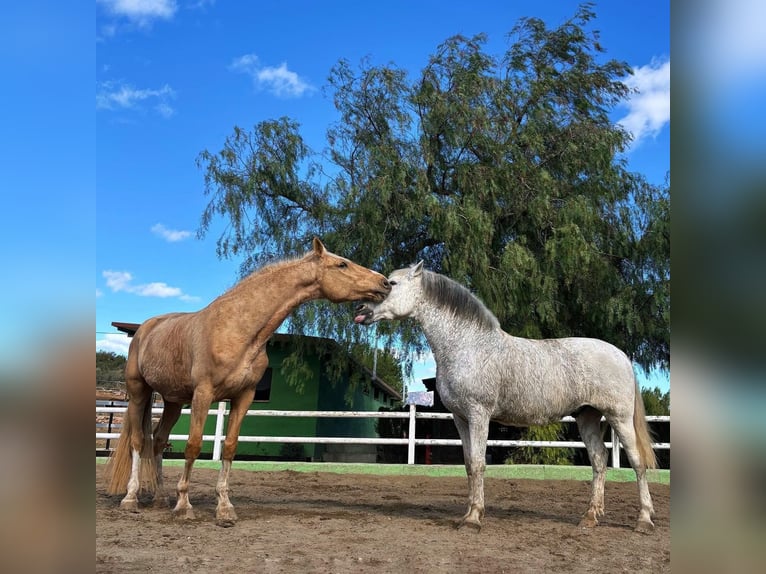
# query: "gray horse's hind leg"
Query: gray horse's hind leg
473,435
627,434
589,424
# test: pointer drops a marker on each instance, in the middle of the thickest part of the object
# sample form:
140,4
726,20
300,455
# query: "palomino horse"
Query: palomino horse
483,374
217,353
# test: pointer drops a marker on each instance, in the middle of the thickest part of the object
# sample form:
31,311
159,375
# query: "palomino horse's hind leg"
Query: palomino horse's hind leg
170,415
140,394
224,512
627,434
473,435
200,406
589,424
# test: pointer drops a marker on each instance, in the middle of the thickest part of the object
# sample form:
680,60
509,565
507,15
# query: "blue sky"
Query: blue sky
174,77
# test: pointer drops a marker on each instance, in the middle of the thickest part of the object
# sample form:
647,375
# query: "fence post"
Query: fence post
411,437
109,426
219,436
615,450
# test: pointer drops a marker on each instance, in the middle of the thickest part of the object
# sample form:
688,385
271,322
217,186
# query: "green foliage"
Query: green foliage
386,366
296,371
539,455
504,173
655,402
110,368
335,361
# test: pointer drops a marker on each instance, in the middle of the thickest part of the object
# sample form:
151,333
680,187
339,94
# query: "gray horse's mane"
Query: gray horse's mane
447,293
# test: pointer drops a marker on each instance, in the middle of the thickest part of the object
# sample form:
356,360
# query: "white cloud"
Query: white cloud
123,281
245,64
113,95
164,110
279,81
141,12
114,343
117,280
649,106
171,235
156,289
424,367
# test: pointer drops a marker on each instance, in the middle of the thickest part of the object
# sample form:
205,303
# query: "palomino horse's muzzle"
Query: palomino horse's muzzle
380,294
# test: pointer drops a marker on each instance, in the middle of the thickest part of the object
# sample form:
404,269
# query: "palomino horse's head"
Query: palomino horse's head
342,280
405,290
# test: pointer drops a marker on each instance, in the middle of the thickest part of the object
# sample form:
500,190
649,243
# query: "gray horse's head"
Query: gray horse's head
400,302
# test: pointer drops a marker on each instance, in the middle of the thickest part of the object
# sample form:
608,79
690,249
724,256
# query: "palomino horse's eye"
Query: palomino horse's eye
342,264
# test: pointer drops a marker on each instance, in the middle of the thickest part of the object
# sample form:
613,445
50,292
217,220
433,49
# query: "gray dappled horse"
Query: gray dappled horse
483,374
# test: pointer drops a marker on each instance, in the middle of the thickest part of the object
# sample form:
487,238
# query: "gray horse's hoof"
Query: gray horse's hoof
471,523
645,526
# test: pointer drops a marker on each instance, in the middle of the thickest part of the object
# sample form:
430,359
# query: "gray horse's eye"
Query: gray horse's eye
392,283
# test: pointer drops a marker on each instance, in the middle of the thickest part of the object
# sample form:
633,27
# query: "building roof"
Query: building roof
131,328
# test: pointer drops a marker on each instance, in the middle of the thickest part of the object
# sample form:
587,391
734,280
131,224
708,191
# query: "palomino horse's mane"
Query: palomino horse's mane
445,292
266,270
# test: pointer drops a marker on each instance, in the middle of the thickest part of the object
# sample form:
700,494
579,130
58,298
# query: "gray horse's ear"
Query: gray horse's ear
416,269
319,248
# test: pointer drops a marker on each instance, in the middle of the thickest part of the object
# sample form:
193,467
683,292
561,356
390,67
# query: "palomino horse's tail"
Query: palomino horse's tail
643,434
120,462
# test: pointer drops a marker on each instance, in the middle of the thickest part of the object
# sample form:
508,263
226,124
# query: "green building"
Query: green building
318,393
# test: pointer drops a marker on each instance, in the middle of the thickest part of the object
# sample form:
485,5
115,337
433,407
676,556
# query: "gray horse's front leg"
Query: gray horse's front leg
473,435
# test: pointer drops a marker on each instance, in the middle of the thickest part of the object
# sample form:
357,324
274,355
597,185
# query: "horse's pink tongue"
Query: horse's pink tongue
360,318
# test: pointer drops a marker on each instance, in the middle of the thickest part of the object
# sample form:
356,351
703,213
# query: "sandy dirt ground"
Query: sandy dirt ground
322,522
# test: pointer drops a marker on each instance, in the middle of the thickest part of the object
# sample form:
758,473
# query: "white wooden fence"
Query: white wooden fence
411,440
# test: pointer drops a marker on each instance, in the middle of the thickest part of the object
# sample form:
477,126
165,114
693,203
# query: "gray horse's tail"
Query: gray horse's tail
643,434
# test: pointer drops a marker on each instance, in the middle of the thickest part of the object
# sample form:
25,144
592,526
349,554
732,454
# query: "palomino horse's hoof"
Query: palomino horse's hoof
225,517
183,513
129,505
645,527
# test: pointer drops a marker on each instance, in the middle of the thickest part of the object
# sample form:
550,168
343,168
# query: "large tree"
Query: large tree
505,173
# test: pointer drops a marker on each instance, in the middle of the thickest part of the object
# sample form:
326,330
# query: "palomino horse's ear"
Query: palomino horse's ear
416,269
319,248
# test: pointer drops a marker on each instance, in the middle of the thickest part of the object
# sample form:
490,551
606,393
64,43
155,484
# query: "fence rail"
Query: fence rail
411,441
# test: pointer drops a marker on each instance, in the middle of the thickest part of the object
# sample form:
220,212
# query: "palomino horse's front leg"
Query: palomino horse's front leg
473,435
224,512
199,408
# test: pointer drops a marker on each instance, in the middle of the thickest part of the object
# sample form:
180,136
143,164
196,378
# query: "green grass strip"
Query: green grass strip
519,471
